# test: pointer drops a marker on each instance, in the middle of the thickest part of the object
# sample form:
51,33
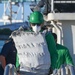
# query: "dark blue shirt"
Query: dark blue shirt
9,52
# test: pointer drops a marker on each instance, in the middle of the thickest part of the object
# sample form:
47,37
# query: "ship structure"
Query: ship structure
60,15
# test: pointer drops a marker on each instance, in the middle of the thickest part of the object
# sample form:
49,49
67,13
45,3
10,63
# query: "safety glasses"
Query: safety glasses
33,24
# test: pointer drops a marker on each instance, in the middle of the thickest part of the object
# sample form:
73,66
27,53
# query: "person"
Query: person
36,21
64,56
29,46
8,55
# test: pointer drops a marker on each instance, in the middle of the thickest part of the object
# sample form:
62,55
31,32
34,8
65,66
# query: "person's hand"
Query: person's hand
18,74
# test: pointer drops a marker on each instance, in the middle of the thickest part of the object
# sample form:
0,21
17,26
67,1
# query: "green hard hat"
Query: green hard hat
36,17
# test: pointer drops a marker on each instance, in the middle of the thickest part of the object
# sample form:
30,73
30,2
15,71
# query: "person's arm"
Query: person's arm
69,62
68,58
3,55
3,61
52,49
51,43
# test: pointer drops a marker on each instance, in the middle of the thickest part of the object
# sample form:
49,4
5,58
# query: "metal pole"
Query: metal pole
72,70
59,31
52,5
10,70
63,70
10,17
4,12
22,12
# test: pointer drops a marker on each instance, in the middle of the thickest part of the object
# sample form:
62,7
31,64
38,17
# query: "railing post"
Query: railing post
63,70
10,70
52,5
72,70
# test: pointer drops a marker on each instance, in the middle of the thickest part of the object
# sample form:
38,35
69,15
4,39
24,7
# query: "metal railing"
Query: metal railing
10,70
68,70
